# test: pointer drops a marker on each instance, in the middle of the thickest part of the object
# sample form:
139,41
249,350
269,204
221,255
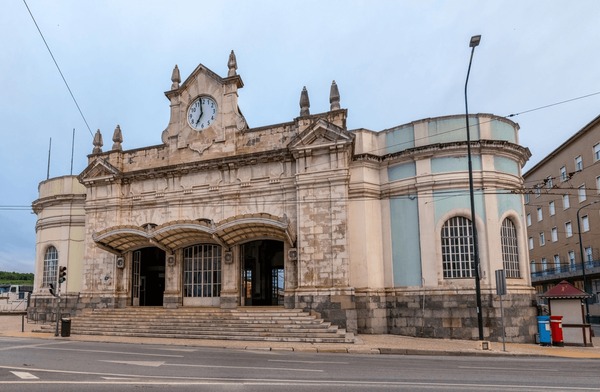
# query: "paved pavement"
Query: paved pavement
17,326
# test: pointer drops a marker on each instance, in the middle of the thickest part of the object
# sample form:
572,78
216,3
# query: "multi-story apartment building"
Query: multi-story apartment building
562,204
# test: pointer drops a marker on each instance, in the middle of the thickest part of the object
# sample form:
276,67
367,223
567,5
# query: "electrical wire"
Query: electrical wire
57,67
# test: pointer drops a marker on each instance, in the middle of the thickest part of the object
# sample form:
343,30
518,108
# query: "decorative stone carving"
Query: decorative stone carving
175,78
304,103
98,143
117,139
232,65
334,97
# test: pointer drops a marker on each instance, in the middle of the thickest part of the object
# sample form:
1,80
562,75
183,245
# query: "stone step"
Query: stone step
253,324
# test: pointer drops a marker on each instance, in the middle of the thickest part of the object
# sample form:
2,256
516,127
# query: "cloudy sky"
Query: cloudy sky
394,61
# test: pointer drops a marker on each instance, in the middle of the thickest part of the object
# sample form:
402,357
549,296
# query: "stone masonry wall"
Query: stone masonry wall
454,316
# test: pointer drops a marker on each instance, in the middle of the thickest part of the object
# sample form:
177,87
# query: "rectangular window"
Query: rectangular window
533,266
581,193
537,190
551,208
585,223
566,203
530,243
528,219
527,196
549,182
597,152
542,239
572,260
588,254
540,214
568,229
544,263
557,262
563,174
579,163
554,234
598,184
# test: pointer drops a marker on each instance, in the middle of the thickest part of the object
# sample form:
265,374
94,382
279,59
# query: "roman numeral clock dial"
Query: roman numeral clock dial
202,113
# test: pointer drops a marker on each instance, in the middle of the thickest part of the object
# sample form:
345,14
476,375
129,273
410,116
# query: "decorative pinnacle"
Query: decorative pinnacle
334,97
232,64
304,103
98,143
175,78
117,138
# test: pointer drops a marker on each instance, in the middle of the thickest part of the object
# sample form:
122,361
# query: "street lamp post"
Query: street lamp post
472,44
585,288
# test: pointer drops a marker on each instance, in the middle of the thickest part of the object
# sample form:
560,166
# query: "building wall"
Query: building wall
362,210
545,185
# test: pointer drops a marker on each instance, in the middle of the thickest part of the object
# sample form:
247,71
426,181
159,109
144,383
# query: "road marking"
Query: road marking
316,362
114,352
138,363
25,376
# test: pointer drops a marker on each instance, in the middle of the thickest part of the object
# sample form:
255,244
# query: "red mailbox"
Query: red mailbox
556,330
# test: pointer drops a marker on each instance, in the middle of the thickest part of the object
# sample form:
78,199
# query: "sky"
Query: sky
394,61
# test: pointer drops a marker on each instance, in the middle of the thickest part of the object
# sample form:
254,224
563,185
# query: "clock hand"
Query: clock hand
200,116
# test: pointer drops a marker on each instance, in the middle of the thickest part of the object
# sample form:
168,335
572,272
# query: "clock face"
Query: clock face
202,113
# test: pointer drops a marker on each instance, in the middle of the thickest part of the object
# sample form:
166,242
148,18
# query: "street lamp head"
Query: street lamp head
474,41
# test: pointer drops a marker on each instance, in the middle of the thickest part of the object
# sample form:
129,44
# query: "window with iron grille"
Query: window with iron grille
510,249
50,266
457,248
202,271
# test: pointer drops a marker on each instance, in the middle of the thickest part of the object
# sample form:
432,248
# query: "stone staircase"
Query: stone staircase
272,324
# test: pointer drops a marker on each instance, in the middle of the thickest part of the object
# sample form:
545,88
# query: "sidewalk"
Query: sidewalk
10,326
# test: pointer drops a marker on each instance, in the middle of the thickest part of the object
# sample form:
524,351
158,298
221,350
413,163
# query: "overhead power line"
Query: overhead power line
59,70
554,104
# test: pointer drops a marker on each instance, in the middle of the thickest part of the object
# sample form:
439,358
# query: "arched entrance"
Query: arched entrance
262,273
148,277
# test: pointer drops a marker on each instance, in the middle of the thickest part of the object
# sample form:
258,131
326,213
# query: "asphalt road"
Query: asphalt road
42,365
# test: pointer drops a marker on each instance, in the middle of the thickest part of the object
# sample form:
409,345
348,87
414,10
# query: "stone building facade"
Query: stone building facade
371,230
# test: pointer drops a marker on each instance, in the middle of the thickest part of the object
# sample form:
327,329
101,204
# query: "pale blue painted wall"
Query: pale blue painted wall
406,251
446,201
400,172
509,202
454,164
452,130
503,131
399,139
506,165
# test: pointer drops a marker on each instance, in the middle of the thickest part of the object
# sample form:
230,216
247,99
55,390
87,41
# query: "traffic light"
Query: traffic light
51,288
62,274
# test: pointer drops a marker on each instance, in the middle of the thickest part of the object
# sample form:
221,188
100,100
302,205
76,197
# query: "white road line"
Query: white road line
25,376
242,367
315,362
138,363
113,352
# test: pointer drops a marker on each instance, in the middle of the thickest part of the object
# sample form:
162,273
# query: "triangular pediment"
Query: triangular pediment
99,170
321,133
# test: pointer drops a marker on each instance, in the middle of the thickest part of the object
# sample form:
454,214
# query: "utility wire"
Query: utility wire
553,104
57,67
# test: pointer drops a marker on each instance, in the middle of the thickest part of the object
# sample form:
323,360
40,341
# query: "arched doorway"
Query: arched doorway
262,273
148,277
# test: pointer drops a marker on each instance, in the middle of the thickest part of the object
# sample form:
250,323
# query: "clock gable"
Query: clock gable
204,110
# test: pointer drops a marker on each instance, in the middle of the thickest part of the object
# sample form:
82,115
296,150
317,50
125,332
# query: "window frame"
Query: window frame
510,249
50,268
581,193
578,163
554,234
568,229
552,208
458,261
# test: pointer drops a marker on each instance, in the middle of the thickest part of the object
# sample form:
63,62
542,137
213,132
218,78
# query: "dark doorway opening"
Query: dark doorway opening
262,273
148,277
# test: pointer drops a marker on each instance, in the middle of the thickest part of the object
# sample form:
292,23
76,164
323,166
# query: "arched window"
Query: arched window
510,250
50,266
202,271
457,248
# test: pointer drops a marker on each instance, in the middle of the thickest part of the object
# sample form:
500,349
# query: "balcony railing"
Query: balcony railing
574,269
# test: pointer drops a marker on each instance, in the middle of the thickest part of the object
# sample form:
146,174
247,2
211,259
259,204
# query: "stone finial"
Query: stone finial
232,64
175,78
98,143
117,139
334,97
304,103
